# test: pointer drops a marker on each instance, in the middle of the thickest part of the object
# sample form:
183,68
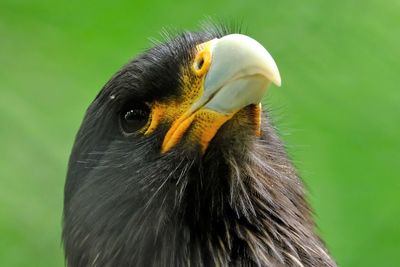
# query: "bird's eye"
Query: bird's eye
134,116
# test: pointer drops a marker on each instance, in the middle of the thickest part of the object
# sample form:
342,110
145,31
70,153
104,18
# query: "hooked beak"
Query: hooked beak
238,71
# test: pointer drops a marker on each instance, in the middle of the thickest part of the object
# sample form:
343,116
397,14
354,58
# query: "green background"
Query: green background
338,108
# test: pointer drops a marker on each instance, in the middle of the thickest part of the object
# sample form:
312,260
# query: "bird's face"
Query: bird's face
183,95
162,133
211,83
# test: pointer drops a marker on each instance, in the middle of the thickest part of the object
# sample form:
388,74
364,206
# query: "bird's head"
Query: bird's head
186,99
177,140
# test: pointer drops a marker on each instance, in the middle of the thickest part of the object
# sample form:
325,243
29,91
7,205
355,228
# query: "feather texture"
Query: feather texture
241,204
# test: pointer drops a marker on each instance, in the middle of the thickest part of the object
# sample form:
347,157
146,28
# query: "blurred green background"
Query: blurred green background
338,109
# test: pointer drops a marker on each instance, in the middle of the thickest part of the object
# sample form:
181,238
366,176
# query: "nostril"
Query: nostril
199,63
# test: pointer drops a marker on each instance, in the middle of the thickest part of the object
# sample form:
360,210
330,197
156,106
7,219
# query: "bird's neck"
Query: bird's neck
252,205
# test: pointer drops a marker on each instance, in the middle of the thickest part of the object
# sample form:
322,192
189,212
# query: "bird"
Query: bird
177,163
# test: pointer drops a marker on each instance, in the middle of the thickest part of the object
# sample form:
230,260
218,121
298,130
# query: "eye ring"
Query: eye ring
134,117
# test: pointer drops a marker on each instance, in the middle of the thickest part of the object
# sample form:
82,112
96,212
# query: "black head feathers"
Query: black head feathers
240,203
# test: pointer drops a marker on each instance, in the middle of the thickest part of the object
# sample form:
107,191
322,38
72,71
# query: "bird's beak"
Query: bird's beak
238,71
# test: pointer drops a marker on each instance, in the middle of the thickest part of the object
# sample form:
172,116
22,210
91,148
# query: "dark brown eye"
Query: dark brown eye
133,117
